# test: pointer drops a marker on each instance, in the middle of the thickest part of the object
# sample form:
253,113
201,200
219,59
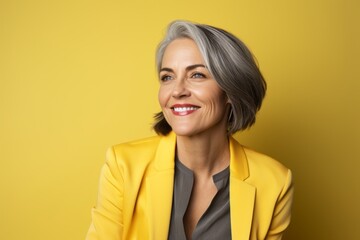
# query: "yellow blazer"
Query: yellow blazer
136,190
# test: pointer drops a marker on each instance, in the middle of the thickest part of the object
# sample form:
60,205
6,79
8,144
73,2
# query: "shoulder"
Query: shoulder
142,145
265,170
261,162
134,153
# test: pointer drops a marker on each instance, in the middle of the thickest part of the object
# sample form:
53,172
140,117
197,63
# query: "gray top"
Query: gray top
215,222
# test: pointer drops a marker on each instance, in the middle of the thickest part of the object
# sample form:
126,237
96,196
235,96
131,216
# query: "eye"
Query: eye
165,78
198,75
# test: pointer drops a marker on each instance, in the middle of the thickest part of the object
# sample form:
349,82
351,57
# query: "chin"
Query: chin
184,131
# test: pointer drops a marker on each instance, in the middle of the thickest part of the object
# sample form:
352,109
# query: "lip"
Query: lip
183,109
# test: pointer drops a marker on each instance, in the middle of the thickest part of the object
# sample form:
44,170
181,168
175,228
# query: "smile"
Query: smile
182,110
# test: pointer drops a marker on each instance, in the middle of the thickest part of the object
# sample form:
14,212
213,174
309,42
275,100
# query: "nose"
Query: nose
180,89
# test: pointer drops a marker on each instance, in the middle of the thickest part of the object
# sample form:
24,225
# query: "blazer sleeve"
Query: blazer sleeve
107,214
282,211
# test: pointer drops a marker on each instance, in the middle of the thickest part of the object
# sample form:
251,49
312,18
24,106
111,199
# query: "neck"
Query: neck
204,155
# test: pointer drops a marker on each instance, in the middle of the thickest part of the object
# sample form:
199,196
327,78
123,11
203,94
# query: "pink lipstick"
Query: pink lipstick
183,109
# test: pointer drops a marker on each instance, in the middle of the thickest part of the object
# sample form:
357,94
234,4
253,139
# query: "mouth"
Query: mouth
183,109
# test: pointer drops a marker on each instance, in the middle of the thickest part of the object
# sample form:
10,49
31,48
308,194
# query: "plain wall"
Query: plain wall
79,76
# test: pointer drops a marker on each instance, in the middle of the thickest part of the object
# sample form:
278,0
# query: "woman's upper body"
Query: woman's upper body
196,108
136,192
210,88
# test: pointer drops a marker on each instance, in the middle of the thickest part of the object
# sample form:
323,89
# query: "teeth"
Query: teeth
184,109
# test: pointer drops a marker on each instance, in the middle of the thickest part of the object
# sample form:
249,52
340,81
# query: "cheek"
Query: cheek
162,97
212,96
218,102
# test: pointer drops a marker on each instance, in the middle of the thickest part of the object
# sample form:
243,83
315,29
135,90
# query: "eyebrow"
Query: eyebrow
188,68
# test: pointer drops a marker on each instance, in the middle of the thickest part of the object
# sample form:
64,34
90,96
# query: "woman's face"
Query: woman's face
191,100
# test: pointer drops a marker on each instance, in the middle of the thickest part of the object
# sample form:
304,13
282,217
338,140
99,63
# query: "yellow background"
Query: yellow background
79,76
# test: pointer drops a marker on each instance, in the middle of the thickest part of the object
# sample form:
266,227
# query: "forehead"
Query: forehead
182,42
182,49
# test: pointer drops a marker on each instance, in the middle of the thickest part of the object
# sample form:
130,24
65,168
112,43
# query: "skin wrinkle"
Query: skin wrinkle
230,63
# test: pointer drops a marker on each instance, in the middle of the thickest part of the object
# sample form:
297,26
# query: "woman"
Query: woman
193,180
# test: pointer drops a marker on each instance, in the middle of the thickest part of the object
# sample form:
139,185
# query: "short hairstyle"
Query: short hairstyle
231,64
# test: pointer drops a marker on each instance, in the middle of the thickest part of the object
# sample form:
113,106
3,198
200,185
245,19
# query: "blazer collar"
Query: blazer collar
242,194
159,187
165,154
238,161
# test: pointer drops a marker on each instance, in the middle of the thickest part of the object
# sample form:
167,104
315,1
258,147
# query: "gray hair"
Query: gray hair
231,64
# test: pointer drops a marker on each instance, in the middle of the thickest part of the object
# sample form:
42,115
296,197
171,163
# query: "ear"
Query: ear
228,100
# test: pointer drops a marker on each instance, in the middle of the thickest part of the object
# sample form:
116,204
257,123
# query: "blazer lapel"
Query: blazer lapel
159,188
242,195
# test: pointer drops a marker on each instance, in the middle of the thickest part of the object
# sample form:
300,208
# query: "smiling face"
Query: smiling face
191,100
